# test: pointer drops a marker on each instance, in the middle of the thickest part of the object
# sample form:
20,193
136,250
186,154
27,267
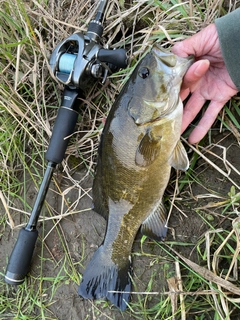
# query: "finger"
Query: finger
199,44
194,74
181,49
193,106
184,94
206,122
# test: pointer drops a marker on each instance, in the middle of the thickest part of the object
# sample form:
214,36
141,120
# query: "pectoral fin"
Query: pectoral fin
148,150
154,226
179,159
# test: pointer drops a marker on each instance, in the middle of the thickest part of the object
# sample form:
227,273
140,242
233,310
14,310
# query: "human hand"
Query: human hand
206,79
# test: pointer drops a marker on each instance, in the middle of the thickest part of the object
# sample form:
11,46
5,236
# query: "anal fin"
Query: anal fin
155,226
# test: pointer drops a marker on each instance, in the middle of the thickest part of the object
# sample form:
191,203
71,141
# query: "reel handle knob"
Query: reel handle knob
116,57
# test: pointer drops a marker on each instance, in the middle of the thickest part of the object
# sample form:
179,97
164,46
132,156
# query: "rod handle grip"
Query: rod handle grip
21,256
64,126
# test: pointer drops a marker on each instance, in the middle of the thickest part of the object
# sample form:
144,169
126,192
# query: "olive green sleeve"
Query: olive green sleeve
228,28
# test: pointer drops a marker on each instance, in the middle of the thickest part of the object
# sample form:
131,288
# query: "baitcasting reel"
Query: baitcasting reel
79,57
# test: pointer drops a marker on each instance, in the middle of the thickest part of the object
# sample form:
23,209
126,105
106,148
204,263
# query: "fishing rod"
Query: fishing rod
75,62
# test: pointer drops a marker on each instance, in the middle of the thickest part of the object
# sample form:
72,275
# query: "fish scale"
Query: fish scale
139,145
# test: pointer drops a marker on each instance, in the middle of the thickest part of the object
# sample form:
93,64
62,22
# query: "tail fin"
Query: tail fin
105,279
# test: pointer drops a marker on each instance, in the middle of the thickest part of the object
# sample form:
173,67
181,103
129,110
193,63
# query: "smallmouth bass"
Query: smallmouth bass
139,145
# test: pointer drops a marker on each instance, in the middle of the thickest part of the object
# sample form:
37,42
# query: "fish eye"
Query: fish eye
144,72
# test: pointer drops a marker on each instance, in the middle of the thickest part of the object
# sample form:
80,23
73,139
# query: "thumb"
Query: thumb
195,73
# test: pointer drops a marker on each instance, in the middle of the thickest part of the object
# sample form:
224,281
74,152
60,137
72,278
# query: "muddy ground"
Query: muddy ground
84,232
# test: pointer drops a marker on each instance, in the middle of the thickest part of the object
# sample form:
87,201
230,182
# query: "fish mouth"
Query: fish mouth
184,64
169,59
